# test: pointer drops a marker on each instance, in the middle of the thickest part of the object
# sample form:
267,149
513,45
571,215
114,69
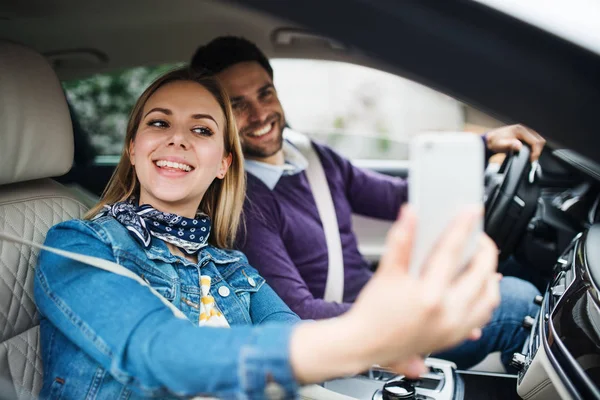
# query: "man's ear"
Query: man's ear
225,164
131,153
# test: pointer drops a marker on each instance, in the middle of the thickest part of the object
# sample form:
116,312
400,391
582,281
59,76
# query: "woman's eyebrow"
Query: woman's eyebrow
205,116
194,116
162,110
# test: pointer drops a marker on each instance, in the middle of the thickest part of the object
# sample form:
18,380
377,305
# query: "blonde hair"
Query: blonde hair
224,198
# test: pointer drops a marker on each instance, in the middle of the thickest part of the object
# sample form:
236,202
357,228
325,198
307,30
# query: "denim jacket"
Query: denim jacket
106,336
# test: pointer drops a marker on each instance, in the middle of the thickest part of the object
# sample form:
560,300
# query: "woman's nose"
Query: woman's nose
179,139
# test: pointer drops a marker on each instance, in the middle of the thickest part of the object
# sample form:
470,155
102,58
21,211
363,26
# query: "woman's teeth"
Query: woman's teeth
170,164
263,131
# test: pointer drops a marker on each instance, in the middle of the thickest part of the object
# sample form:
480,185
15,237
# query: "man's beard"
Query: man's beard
260,152
252,151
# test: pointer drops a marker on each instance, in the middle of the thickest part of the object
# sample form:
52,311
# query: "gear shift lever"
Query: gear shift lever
398,390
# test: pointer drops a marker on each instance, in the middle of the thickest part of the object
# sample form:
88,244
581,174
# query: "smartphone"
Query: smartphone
446,175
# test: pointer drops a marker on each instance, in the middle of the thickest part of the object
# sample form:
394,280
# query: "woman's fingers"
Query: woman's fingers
456,304
477,291
475,334
399,242
447,256
483,305
484,263
412,368
481,311
470,299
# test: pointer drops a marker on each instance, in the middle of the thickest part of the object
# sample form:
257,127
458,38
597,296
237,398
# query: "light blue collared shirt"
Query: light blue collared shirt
270,174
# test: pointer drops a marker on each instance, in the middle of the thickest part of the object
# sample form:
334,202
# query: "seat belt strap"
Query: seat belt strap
334,288
95,262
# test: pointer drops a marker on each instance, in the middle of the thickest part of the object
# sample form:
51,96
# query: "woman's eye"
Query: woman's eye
158,123
202,130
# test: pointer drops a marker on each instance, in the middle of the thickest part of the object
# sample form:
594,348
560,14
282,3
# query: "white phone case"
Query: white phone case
446,175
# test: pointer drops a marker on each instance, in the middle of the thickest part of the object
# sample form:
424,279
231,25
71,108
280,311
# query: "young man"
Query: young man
284,237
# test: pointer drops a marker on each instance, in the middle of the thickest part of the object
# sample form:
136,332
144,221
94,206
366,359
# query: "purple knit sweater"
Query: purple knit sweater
284,238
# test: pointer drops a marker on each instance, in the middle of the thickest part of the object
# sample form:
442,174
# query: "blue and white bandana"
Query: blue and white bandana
190,235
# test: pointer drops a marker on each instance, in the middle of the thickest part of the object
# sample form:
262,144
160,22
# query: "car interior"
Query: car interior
548,217
30,202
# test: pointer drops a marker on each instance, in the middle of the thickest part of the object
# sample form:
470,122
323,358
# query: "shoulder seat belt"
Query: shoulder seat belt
98,263
334,288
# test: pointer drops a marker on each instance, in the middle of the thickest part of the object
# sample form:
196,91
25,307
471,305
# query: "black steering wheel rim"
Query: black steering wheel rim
511,199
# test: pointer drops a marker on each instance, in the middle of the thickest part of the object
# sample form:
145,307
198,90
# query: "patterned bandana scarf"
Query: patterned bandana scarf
189,235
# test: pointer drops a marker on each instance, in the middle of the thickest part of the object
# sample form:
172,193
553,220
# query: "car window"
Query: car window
101,104
361,112
365,113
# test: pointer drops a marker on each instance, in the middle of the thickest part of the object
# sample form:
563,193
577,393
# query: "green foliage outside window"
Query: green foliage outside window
102,103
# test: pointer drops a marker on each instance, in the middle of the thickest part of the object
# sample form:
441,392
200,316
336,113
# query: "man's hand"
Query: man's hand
507,138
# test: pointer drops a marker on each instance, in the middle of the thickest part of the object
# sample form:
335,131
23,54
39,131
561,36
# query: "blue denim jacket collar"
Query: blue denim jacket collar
160,251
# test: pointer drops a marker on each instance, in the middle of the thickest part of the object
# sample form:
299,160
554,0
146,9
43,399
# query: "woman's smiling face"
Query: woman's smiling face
179,147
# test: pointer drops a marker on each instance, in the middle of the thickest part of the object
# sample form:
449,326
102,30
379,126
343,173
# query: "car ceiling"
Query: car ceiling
83,37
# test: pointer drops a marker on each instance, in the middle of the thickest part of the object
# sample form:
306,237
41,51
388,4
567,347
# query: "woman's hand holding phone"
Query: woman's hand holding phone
398,315
405,315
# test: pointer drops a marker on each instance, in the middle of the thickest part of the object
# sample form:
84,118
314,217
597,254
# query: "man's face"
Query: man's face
257,110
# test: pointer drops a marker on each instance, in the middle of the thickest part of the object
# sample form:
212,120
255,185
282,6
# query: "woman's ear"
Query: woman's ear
225,163
131,153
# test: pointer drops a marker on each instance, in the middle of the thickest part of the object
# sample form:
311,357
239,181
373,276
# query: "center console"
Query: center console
441,383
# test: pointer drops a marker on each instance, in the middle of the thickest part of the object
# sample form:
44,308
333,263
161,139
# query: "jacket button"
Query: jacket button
274,391
251,282
224,291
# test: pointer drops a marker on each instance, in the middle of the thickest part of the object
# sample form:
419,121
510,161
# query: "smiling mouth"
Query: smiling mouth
164,164
263,130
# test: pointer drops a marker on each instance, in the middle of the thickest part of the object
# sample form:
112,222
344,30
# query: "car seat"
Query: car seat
36,144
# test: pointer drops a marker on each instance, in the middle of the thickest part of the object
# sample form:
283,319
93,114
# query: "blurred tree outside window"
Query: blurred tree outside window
101,104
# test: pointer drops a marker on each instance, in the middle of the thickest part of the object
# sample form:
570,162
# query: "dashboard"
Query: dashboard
561,359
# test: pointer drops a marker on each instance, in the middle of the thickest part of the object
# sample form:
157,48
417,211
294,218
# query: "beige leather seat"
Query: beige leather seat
36,143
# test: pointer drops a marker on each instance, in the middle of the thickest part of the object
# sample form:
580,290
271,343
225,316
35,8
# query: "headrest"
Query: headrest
36,136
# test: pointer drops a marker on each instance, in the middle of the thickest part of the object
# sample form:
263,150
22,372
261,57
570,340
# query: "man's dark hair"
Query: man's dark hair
225,51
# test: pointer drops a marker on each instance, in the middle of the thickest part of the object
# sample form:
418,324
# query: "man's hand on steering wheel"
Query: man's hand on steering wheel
510,138
511,193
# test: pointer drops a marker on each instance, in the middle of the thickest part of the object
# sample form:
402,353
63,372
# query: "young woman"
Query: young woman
197,319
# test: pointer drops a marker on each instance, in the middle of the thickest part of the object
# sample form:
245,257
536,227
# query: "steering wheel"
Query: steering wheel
511,196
